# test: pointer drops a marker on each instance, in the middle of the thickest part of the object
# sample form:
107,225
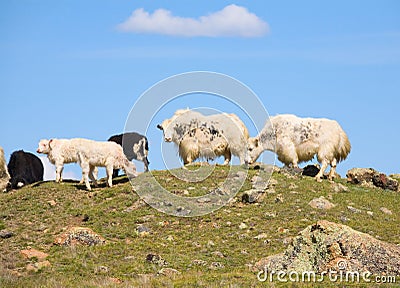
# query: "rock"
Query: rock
258,183
326,246
338,187
241,174
353,210
33,253
272,182
386,211
136,205
79,235
35,267
4,234
270,214
142,230
199,262
203,200
218,254
182,211
52,203
169,272
321,203
369,177
385,182
310,170
370,213
210,243
360,175
243,226
156,259
216,265
261,236
344,219
252,196
291,172
101,270
279,198
282,230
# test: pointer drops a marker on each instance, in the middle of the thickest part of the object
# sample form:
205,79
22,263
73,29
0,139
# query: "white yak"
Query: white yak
185,127
296,140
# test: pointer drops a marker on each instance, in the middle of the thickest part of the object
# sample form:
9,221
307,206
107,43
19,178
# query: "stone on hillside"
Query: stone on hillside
169,272
353,210
385,182
142,230
291,172
386,211
243,226
252,196
338,187
216,265
321,203
279,198
4,234
156,259
52,203
35,267
79,235
326,246
259,183
33,253
369,177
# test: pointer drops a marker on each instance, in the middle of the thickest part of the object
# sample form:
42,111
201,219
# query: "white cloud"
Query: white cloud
50,171
231,21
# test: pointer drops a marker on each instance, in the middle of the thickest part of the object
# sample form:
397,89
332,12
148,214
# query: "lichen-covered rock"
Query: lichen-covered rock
33,253
371,178
321,203
328,246
79,235
252,196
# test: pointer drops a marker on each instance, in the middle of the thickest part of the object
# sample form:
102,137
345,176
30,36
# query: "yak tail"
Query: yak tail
343,148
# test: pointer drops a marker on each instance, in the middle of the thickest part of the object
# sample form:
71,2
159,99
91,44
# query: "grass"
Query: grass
208,251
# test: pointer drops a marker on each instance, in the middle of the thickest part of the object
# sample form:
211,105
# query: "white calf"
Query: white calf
89,154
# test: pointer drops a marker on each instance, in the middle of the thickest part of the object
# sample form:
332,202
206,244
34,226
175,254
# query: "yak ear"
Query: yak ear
51,143
160,127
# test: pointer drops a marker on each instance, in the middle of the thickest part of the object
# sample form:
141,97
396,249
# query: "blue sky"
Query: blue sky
69,70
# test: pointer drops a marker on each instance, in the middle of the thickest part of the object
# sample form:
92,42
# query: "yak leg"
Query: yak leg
92,171
321,172
227,156
85,173
333,169
109,172
59,170
146,164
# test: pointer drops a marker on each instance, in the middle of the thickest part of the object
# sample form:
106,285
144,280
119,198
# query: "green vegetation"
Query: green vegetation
216,250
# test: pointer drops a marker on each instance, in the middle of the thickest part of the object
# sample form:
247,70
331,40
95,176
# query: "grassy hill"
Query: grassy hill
218,249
